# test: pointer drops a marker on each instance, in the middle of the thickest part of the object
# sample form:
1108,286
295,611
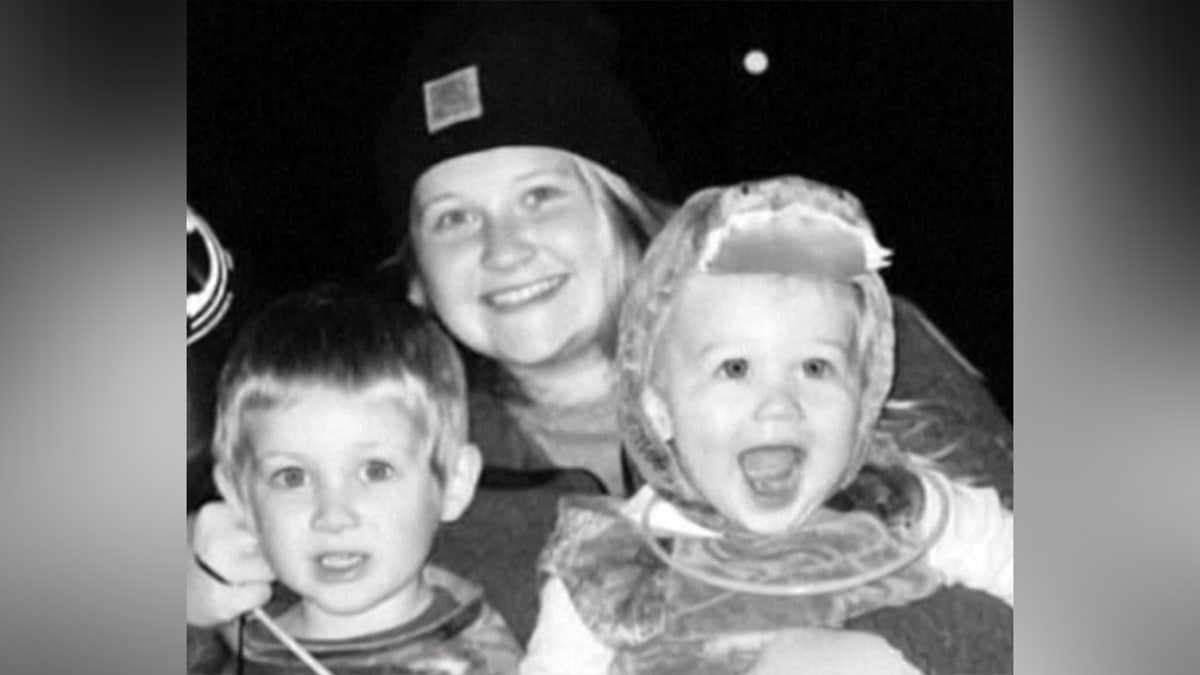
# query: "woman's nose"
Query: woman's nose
505,243
335,511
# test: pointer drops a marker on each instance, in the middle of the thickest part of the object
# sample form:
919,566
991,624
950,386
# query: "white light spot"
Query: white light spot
755,62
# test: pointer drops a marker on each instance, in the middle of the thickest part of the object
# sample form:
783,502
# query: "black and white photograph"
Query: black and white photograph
600,337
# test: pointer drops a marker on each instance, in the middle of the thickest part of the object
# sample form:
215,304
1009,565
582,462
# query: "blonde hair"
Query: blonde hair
633,217
330,338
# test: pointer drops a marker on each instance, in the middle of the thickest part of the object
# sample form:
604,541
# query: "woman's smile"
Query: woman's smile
516,297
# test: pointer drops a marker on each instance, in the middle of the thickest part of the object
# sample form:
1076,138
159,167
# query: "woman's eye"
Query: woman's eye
288,477
734,369
818,368
450,220
376,471
535,198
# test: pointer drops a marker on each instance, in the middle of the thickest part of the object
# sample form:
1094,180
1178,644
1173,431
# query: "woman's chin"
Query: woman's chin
528,353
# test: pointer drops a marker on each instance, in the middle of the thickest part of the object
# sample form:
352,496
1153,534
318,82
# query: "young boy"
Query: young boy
341,443
756,355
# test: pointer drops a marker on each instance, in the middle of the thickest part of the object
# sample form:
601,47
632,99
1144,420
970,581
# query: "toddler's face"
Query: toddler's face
345,503
762,393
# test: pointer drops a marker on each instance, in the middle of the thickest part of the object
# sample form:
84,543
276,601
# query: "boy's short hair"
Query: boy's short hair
335,338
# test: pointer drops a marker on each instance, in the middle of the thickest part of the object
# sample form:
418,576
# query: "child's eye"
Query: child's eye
537,197
454,219
818,369
377,471
288,477
734,369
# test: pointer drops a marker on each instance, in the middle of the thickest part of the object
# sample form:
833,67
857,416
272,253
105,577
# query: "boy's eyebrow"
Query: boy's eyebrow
264,452
364,444
260,458
373,444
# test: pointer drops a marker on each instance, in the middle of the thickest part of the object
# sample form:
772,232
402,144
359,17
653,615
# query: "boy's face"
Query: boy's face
345,503
762,393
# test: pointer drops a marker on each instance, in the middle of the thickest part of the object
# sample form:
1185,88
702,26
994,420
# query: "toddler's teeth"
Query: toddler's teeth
340,560
772,469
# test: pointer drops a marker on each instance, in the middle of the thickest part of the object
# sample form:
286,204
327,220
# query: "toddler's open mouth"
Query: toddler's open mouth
773,473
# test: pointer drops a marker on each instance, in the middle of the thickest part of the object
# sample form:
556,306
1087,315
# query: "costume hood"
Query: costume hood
785,225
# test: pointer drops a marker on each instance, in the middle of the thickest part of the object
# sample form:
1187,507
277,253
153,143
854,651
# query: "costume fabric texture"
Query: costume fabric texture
614,616
459,634
657,619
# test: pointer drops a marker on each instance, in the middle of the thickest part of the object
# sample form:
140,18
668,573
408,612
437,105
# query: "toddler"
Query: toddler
341,444
756,355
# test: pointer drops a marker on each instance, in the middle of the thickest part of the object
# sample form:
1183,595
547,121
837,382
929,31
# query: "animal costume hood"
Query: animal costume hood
670,602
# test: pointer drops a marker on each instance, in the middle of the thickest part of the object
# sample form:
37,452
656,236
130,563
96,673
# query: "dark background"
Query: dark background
909,106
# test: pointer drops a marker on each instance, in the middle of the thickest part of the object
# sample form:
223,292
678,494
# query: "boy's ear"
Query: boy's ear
462,476
657,413
223,475
416,292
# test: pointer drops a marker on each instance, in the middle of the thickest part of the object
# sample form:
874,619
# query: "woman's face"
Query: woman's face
515,255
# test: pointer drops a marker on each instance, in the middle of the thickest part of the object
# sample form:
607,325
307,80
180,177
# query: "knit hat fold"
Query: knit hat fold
486,75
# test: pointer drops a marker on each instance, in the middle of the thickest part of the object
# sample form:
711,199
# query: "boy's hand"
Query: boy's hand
228,547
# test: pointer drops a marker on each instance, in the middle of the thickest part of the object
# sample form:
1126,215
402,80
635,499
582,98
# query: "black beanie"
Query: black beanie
491,74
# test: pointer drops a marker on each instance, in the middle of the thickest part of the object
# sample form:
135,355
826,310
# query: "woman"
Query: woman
520,223
525,258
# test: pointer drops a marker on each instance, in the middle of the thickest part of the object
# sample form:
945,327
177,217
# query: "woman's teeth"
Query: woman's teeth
522,294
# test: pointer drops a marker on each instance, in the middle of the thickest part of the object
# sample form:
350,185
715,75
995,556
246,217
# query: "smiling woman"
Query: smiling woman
520,257
519,223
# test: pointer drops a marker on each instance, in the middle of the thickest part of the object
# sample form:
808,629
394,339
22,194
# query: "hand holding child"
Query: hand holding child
226,545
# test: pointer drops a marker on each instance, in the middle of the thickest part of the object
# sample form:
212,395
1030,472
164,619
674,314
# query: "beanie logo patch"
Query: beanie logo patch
452,99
